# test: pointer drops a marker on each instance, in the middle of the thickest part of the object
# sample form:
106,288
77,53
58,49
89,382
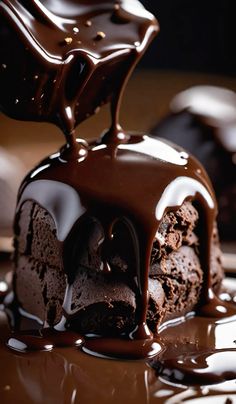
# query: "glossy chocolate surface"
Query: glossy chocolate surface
71,190
68,374
71,57
122,177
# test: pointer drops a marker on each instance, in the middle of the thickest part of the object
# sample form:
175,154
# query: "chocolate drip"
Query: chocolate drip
58,184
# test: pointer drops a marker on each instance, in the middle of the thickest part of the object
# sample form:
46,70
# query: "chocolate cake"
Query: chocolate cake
202,120
106,303
85,238
116,244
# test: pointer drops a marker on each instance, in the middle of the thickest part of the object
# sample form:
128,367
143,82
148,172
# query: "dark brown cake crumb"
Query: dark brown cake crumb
106,303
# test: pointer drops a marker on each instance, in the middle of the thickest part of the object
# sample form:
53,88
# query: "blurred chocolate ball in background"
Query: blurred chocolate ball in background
203,121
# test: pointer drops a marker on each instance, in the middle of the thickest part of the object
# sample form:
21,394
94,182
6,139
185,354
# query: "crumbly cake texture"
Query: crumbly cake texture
106,303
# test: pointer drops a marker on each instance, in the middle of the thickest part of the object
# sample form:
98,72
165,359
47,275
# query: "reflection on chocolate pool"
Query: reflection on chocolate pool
70,376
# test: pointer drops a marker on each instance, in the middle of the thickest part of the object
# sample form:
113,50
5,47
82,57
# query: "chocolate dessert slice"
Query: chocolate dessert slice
80,237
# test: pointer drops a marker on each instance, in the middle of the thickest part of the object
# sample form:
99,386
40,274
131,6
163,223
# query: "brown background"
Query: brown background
145,101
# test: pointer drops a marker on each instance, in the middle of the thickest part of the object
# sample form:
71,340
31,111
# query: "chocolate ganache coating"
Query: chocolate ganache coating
103,227
71,57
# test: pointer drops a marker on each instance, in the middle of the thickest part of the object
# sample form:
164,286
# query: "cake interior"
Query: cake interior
105,303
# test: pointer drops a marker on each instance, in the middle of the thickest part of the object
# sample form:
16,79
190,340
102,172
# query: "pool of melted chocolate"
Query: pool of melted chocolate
197,362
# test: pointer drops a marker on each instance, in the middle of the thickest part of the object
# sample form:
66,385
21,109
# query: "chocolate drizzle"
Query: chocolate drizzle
80,56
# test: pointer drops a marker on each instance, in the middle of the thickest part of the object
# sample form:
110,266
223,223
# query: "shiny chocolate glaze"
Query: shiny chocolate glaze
71,56
122,177
70,189
124,187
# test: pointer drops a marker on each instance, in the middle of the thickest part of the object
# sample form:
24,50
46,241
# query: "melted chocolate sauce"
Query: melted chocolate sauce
79,56
42,340
71,57
24,343
67,372
70,189
201,354
122,349
207,367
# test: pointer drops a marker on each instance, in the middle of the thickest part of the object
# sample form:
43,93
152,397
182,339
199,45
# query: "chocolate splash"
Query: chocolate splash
80,56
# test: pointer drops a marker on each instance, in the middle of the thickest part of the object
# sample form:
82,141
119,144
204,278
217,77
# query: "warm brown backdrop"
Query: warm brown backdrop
145,101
